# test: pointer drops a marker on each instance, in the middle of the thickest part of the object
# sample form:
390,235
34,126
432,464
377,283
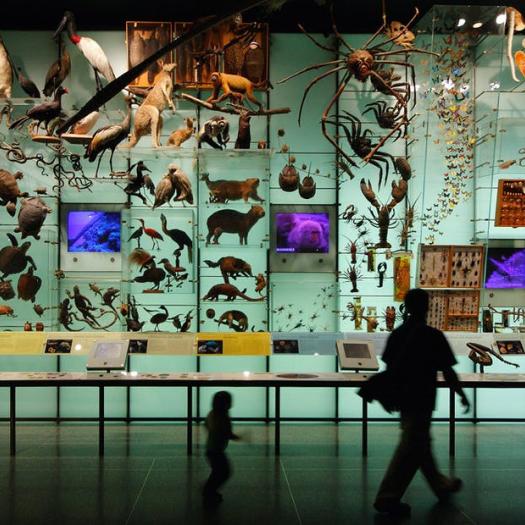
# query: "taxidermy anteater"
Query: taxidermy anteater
231,267
231,292
232,190
232,221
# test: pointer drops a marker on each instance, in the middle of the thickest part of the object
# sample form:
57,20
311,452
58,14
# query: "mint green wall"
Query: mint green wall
316,302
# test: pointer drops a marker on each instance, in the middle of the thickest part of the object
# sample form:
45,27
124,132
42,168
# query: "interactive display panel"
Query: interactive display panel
505,268
356,355
108,355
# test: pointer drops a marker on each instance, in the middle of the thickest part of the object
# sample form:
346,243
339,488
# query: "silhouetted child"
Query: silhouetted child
218,424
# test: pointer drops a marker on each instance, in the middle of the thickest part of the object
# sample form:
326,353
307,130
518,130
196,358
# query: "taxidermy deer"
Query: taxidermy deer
516,22
148,118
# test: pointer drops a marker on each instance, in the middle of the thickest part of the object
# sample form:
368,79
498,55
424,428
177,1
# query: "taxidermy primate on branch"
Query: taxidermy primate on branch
232,86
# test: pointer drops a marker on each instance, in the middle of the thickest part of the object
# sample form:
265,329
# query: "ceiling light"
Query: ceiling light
477,25
501,19
461,22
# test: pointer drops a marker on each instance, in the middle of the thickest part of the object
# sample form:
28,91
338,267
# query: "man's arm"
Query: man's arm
453,381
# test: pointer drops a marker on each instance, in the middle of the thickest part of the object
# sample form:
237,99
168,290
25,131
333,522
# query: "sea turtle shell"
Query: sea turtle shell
9,190
28,286
31,216
13,259
6,290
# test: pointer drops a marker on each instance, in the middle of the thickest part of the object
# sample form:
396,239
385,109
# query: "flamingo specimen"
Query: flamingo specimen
154,235
108,137
91,50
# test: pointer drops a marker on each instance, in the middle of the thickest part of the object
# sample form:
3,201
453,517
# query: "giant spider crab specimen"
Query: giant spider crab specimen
367,62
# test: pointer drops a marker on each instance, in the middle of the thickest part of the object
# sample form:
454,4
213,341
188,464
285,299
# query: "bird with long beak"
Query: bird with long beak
91,50
57,72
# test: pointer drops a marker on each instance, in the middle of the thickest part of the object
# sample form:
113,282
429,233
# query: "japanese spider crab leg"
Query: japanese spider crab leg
318,44
412,75
393,92
336,31
324,120
368,157
310,68
311,84
411,50
374,36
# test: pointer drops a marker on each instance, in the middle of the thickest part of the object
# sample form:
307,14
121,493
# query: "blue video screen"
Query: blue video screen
93,231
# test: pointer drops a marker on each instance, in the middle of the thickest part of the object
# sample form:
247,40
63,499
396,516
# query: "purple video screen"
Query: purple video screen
505,268
302,232
93,231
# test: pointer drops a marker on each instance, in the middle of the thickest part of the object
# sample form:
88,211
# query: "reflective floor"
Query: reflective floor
320,477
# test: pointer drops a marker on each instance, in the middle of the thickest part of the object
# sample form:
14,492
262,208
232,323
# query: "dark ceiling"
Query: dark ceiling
353,16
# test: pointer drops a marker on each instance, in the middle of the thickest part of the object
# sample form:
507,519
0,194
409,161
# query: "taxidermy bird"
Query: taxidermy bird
159,317
152,275
141,258
136,235
91,50
27,84
45,112
108,137
6,72
154,235
57,72
179,237
85,125
172,270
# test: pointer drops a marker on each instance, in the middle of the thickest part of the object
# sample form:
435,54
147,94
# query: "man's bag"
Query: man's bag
384,388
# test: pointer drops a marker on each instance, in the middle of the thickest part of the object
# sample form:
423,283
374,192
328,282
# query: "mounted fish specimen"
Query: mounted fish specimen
9,190
181,238
233,221
181,135
6,72
108,138
14,258
91,50
215,132
31,217
232,190
42,113
148,118
58,71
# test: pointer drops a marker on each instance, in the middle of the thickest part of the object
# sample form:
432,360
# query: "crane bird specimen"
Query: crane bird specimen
108,137
91,50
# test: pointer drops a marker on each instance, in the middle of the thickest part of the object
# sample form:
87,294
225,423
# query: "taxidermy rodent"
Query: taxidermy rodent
232,221
182,134
148,118
232,190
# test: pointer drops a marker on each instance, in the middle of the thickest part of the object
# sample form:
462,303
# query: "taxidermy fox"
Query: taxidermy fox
148,118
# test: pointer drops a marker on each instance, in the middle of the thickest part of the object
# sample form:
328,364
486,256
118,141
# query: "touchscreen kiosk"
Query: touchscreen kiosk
108,355
356,355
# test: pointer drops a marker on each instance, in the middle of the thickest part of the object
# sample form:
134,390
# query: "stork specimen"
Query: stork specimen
91,50
45,112
108,137
57,72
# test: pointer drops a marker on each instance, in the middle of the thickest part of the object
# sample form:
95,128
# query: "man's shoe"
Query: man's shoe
393,508
454,485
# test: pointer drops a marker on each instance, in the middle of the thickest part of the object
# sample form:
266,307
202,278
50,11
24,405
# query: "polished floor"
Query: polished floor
320,477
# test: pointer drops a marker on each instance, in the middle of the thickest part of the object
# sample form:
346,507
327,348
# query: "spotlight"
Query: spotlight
477,25
501,19
461,22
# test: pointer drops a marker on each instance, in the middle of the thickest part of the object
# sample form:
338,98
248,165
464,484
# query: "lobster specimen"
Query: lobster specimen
390,317
352,274
385,213
367,62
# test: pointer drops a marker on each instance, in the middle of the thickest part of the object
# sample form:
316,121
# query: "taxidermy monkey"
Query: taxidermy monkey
148,118
516,22
215,132
232,86
182,134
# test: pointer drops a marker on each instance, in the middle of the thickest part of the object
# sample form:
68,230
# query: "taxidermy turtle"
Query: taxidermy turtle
6,290
9,190
14,258
31,216
28,285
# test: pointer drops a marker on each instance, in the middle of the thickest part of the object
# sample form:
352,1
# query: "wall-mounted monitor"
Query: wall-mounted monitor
91,237
303,238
